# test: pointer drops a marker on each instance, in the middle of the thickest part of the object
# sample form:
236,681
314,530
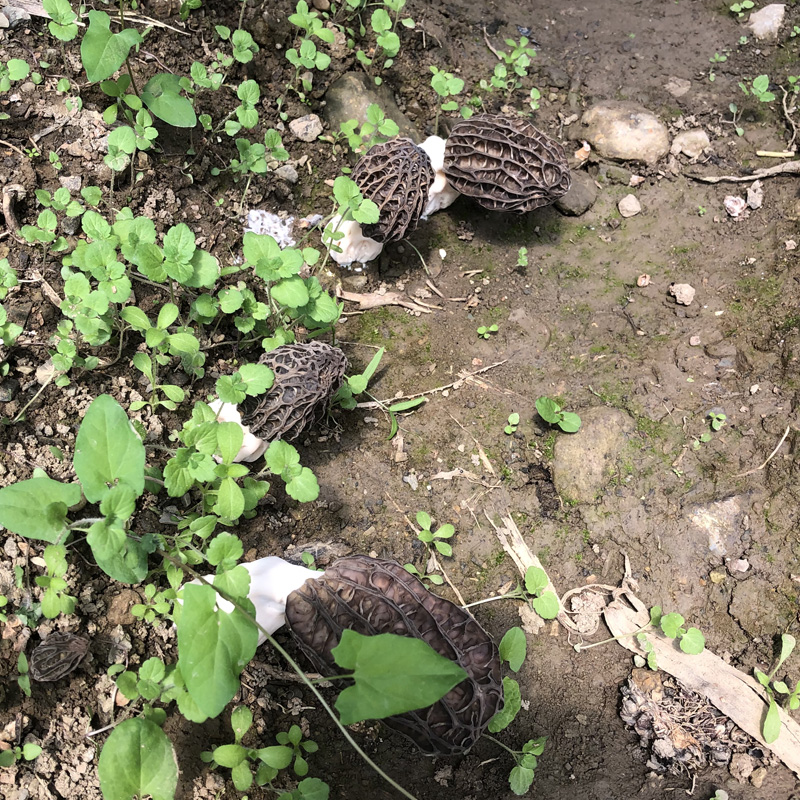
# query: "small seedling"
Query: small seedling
759,89
485,332
717,420
513,421
550,411
429,536
718,58
740,8
27,752
771,727
734,109
701,210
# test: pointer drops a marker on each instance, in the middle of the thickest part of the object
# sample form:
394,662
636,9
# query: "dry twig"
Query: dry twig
790,168
769,457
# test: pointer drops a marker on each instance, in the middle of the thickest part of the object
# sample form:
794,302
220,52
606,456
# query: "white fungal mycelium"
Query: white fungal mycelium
441,194
252,447
354,245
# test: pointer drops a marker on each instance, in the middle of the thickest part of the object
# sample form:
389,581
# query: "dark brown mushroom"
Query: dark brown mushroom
505,163
306,378
371,596
57,655
396,176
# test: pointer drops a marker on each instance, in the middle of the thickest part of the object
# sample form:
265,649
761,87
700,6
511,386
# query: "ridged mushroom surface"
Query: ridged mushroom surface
372,596
306,377
505,163
396,176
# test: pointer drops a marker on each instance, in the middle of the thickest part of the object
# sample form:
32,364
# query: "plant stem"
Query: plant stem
500,744
293,664
33,399
581,647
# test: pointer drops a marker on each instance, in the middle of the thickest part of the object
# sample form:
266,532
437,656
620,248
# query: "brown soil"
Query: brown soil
572,324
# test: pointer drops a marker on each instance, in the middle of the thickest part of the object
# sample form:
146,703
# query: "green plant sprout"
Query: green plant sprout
430,537
691,640
771,726
15,69
486,331
759,88
513,421
550,411
740,8
23,681
447,85
701,211
535,592
717,420
28,752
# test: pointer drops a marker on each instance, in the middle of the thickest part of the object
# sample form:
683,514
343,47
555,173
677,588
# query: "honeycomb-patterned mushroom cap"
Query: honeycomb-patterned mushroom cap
306,378
505,163
396,176
371,596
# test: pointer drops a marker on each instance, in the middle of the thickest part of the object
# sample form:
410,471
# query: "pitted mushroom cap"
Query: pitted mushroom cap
306,378
505,163
371,596
396,176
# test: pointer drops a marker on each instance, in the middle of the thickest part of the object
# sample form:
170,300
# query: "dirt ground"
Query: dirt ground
572,324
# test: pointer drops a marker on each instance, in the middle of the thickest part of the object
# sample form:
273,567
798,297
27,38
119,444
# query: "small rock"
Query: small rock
716,576
45,372
581,196
757,778
690,143
735,206
678,87
629,206
790,244
626,132
286,172
8,390
643,280
742,766
306,128
71,182
766,22
321,5
755,195
682,292
695,341
739,566
614,174
27,87
70,225
412,481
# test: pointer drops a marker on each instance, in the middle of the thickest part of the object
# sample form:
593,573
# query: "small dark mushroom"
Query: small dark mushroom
396,176
306,378
505,163
57,655
371,596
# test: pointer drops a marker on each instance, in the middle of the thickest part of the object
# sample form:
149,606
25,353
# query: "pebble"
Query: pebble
306,128
71,182
625,131
629,206
678,87
694,341
581,196
682,292
321,5
287,172
766,22
691,143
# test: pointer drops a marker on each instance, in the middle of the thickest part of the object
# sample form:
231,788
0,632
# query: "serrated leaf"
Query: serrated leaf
520,780
546,605
230,436
304,487
535,580
392,674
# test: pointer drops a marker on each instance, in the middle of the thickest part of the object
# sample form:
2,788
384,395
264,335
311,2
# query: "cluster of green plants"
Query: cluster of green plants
771,725
551,412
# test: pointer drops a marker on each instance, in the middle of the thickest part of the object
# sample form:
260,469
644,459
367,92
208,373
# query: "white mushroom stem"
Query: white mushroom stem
252,447
354,245
441,194
272,580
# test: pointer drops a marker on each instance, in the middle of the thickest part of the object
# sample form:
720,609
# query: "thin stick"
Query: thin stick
489,44
461,379
4,143
790,168
769,457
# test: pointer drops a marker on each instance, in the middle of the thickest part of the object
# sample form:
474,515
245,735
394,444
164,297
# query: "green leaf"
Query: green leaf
137,760
277,756
31,751
120,502
258,378
37,508
205,270
162,95
120,557
167,315
291,292
225,549
670,624
373,364
788,643
392,674
241,721
230,500
242,776
108,450
229,440
136,318
103,52
520,780
512,703
514,648
772,723
281,455
214,647
693,642
179,243
230,755
548,409
535,580
304,487
546,605
569,422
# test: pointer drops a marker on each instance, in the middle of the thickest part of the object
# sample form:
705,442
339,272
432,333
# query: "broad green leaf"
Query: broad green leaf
304,487
120,502
772,723
548,409
512,703
213,646
357,383
205,270
520,779
514,648
242,776
179,243
136,318
103,52
122,558
277,756
167,315
392,674
229,440
123,138
258,378
546,605
137,760
230,755
788,643
671,623
230,500
281,455
291,292
225,549
162,95
241,721
108,450
569,422
37,508
693,642
535,580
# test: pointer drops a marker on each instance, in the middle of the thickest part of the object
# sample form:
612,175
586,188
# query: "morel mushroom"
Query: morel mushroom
371,596
440,194
306,378
505,163
396,176
57,656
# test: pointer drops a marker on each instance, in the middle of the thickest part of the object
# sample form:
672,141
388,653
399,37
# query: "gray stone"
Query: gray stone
557,77
350,96
766,22
580,197
306,128
584,461
722,523
286,172
629,206
8,390
625,131
71,182
678,87
691,143
614,174
70,225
